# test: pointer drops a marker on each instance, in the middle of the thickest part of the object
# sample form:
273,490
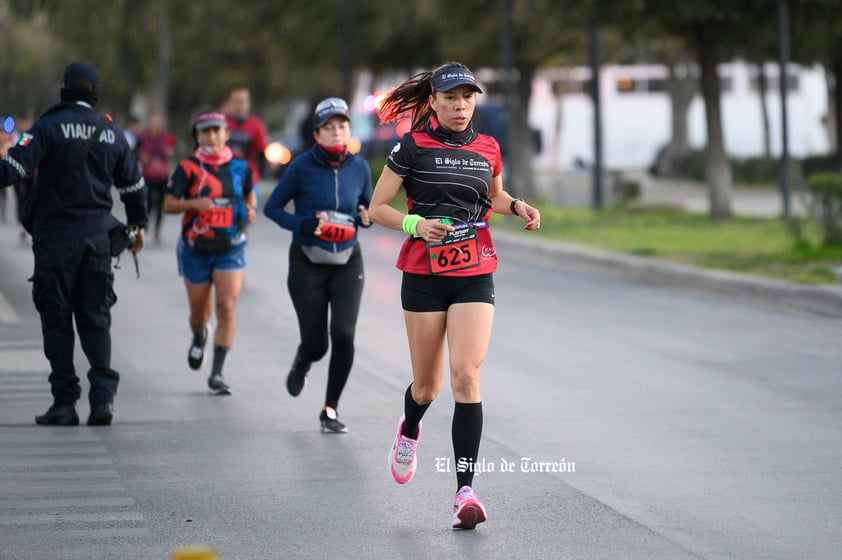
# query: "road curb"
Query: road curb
819,299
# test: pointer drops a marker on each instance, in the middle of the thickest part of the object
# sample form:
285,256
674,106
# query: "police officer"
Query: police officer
71,240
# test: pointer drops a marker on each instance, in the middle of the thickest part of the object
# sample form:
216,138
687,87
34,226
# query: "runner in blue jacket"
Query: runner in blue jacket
331,190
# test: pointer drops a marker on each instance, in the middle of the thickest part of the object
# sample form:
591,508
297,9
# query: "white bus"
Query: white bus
637,114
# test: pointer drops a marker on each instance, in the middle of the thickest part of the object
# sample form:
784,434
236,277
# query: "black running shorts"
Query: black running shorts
423,293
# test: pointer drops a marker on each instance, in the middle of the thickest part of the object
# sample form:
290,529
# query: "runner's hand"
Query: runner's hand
203,203
364,219
251,214
433,231
530,215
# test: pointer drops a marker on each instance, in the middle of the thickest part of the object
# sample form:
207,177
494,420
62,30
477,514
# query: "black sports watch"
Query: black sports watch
512,205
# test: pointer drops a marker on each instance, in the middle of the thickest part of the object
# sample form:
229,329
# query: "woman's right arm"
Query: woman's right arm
275,207
175,205
381,211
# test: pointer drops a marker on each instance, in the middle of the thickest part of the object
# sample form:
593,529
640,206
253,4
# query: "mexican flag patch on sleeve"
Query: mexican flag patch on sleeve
24,139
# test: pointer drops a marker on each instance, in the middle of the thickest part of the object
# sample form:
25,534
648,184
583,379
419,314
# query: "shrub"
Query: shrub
745,171
756,170
826,204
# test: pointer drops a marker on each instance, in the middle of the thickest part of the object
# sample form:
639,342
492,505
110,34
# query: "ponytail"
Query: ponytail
413,96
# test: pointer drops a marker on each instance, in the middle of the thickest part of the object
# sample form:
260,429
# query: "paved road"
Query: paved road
699,425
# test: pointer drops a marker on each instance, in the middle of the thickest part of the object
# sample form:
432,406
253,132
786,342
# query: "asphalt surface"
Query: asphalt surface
690,414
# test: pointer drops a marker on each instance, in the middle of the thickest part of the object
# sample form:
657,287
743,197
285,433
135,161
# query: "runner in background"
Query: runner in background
213,190
330,189
132,131
155,149
248,138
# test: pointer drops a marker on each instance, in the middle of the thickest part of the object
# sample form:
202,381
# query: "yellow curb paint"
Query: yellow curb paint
197,552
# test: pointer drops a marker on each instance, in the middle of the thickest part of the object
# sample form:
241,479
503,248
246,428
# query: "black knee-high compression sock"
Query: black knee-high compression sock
466,433
219,353
413,413
199,337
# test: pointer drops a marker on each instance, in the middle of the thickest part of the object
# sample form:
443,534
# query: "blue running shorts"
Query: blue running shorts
197,268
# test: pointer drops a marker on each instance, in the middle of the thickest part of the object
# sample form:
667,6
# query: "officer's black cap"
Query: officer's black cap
81,76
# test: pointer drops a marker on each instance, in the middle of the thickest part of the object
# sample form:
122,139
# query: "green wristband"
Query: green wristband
410,223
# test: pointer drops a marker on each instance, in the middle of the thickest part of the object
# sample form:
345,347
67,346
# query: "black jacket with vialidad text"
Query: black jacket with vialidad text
76,199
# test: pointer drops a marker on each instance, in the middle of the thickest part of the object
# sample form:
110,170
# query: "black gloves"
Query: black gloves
308,225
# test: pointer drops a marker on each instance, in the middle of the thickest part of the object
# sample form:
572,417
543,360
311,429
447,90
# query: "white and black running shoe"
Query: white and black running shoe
197,349
218,385
330,422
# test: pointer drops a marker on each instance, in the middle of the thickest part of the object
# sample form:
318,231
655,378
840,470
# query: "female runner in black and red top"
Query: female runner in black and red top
213,190
453,181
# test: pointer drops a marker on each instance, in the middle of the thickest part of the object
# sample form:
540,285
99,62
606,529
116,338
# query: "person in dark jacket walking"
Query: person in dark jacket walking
331,189
71,236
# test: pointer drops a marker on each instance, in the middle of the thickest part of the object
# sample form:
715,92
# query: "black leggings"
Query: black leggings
315,287
156,190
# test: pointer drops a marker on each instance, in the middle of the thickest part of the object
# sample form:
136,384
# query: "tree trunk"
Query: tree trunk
762,91
836,66
829,119
558,125
717,166
162,99
521,143
681,87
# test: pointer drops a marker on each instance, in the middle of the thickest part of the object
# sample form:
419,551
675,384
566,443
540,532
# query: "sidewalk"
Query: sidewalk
574,189
818,299
693,196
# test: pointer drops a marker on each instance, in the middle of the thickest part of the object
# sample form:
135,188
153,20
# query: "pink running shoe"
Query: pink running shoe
402,455
467,509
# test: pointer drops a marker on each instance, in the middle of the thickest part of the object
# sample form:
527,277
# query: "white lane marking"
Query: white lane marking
70,518
12,462
56,449
27,505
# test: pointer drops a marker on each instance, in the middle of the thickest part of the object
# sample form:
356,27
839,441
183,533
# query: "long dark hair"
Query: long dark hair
414,96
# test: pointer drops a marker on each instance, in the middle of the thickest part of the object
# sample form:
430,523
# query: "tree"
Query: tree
294,49
709,24
717,165
637,38
682,87
95,31
28,49
816,30
538,32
